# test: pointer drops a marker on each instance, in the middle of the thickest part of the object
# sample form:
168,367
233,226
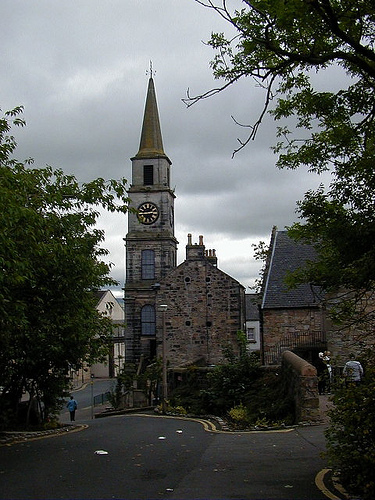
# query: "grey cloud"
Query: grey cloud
79,69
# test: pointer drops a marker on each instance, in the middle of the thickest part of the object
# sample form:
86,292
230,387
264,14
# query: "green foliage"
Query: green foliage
151,377
239,389
147,381
51,263
239,414
351,434
229,384
177,410
315,61
124,381
269,401
51,424
261,252
189,393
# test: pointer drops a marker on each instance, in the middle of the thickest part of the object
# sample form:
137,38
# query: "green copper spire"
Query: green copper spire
151,144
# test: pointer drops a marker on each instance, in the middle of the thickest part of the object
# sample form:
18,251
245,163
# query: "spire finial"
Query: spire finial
150,71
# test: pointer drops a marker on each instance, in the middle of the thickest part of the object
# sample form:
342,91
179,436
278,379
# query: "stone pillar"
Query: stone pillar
302,381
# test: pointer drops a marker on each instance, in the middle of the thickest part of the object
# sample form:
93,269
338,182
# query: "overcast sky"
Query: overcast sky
79,69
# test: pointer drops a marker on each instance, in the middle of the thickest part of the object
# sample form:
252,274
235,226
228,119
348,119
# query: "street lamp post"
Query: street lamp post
92,395
163,309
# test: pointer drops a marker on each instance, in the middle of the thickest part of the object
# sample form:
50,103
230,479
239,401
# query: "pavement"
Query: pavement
325,405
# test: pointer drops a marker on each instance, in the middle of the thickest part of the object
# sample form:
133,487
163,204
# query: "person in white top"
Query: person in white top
353,371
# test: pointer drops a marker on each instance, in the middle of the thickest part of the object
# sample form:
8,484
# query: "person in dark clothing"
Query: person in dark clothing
323,374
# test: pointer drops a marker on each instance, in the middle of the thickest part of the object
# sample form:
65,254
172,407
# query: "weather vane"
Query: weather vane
150,71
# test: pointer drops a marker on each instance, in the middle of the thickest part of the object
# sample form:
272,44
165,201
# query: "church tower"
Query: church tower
151,247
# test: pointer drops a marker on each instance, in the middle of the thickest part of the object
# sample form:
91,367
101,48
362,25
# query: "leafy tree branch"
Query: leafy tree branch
51,262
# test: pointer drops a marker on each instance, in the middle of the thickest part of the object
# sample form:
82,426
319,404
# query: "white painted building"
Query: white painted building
252,326
109,306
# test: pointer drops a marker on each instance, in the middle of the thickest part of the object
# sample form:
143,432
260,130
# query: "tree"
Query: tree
315,60
51,263
351,435
287,47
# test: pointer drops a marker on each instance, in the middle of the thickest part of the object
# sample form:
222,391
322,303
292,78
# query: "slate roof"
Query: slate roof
99,294
287,255
251,302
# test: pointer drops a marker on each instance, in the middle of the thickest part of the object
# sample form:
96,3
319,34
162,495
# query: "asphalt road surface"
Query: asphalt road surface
150,457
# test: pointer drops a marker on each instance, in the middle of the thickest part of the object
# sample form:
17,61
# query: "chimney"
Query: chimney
211,257
195,252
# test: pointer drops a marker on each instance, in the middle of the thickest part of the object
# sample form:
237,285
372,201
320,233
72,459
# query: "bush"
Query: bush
177,410
239,414
240,390
269,400
124,382
351,435
188,394
230,384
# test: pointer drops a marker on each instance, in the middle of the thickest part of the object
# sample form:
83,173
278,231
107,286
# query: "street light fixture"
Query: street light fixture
163,309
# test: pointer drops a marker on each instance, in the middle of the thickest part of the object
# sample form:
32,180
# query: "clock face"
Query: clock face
148,213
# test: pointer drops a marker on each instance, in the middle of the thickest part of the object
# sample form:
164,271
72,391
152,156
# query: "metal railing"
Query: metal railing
101,398
292,341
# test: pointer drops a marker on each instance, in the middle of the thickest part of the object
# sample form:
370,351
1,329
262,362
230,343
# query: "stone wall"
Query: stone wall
344,340
302,381
206,309
288,328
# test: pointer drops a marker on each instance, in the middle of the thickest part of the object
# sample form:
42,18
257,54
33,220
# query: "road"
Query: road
84,397
150,457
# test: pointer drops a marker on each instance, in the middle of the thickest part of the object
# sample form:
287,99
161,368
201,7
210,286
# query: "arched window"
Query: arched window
148,320
148,264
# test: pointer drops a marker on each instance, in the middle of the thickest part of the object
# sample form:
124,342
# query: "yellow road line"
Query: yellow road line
319,481
207,424
44,436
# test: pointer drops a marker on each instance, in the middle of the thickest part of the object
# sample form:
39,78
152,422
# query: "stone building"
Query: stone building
298,319
205,309
151,247
291,319
205,305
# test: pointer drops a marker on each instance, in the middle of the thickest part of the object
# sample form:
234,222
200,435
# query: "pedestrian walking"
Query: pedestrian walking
72,406
353,371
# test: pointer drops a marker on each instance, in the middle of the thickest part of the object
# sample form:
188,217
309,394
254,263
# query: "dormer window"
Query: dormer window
148,175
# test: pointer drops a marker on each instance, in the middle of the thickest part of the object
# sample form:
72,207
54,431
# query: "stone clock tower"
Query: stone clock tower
151,246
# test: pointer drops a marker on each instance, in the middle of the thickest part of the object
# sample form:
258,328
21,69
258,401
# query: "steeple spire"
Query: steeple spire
151,144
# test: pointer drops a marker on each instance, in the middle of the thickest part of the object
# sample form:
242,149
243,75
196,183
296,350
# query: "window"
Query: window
250,334
148,175
148,264
148,320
